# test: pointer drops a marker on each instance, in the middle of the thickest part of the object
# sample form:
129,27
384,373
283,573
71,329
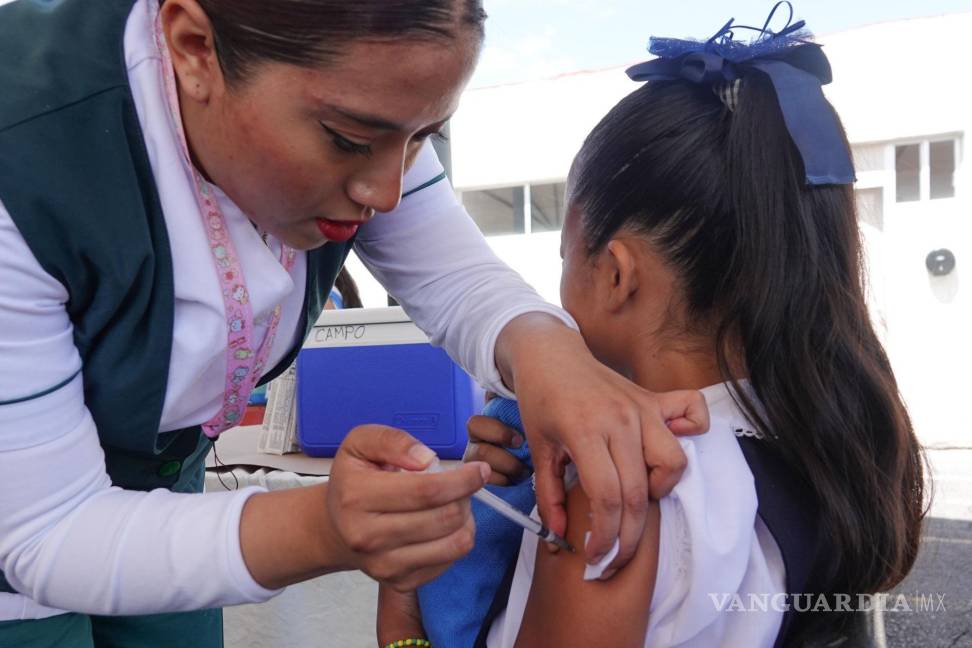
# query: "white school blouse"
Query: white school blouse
712,545
69,540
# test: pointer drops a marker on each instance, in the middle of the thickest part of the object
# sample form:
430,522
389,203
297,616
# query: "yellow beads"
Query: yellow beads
418,643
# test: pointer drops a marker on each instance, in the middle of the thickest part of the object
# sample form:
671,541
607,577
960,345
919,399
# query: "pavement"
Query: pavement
938,612
938,590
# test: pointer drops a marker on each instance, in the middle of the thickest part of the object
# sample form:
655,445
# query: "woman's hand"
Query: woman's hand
401,528
399,616
488,441
573,406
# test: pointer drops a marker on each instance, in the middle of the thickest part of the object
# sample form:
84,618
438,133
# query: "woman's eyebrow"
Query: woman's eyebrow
370,121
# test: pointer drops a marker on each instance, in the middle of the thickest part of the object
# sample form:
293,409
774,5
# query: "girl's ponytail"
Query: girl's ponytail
797,308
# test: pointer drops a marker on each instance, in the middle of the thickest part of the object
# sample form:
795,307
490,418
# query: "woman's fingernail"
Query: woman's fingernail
608,574
422,454
485,471
517,441
598,558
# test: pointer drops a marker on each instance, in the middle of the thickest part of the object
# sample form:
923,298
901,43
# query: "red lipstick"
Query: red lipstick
338,231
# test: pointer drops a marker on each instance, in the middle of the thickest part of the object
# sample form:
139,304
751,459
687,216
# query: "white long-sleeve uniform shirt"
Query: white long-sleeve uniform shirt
69,540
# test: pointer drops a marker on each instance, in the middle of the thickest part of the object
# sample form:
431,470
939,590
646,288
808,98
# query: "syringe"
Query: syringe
505,509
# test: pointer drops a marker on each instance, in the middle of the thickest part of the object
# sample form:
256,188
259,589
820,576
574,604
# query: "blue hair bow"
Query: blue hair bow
797,68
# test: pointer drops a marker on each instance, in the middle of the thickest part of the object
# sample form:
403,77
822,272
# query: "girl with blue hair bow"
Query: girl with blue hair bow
708,246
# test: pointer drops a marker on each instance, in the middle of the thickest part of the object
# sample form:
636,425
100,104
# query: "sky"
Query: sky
531,39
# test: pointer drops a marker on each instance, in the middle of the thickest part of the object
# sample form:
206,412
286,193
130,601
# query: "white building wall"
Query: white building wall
904,81
893,83
529,132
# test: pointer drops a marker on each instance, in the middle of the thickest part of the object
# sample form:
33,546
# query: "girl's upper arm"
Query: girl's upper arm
564,609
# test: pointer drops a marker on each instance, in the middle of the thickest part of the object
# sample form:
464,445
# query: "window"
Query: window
942,162
547,207
521,209
495,210
907,170
925,170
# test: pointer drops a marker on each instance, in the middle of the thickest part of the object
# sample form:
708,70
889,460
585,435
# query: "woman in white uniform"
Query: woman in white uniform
178,188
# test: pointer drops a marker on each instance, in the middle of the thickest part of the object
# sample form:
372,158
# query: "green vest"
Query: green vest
76,180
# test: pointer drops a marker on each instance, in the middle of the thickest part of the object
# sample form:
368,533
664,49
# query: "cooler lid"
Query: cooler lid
364,327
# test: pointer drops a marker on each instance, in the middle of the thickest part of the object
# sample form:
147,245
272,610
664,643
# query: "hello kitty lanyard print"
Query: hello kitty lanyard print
244,364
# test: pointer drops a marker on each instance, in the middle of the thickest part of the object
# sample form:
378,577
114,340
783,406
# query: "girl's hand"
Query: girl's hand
401,528
488,440
399,616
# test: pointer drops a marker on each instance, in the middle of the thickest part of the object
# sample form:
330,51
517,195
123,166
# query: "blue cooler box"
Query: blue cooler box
375,366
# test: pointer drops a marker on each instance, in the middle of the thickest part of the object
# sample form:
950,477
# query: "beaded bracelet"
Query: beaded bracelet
418,643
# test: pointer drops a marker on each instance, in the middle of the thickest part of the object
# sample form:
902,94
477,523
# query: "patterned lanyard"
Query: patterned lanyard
244,366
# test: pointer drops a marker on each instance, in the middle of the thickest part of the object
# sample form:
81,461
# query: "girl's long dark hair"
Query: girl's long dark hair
348,288
312,32
774,267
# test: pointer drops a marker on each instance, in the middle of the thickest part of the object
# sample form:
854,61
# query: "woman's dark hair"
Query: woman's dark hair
312,32
773,267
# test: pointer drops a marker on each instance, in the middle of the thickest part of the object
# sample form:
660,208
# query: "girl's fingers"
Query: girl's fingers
490,430
506,467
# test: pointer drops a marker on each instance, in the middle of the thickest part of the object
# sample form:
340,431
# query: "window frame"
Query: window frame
924,162
527,207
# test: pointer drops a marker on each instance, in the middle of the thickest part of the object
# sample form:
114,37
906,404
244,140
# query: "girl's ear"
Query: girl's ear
616,275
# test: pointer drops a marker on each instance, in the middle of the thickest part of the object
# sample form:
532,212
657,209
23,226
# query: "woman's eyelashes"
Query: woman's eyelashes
438,136
344,144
